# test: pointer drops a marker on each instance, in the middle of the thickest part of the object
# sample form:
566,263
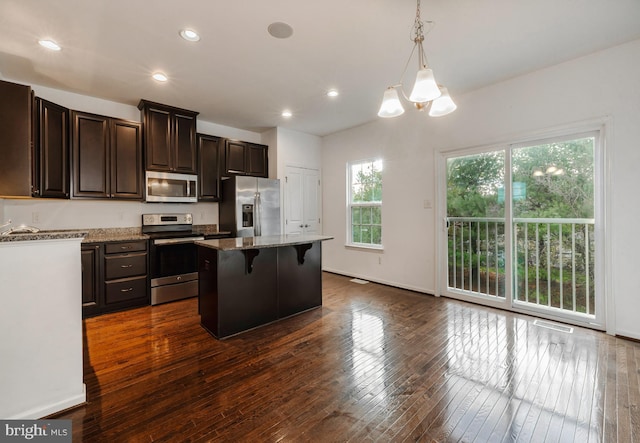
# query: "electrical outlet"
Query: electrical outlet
379,260
35,217
428,204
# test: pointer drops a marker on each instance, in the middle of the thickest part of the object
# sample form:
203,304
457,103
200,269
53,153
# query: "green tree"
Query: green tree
473,183
367,184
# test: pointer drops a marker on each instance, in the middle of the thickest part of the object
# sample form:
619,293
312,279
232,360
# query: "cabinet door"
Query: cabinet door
208,168
157,130
90,260
53,148
235,157
185,143
15,139
90,140
257,161
126,160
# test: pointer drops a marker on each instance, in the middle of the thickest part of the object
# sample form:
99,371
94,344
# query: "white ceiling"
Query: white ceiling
240,76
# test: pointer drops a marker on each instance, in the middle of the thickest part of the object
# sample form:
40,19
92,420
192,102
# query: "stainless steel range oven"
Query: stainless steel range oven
173,256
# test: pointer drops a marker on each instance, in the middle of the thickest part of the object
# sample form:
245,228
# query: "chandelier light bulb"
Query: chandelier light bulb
391,106
425,88
443,105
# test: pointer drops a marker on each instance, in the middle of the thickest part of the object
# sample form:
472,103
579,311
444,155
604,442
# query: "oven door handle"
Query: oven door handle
173,241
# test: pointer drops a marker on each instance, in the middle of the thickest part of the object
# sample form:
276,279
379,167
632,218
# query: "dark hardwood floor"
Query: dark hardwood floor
373,364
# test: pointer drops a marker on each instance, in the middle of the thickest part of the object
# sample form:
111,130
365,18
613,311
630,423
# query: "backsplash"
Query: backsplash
90,214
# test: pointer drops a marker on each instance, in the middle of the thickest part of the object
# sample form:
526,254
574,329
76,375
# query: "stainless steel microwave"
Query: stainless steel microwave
171,187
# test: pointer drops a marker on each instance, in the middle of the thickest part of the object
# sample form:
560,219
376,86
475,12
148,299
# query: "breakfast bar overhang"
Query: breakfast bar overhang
247,282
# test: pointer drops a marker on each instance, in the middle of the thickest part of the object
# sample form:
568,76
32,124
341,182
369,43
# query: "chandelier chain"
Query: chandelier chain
418,26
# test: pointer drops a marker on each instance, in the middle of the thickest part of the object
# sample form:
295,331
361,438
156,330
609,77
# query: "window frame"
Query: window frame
372,204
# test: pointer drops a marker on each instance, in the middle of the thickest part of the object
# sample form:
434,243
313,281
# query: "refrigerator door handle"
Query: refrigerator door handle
257,216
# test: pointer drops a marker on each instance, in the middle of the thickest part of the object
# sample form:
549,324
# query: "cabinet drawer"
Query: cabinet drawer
120,266
121,247
124,290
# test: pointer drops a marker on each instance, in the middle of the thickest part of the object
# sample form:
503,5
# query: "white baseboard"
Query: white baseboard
46,410
381,281
628,334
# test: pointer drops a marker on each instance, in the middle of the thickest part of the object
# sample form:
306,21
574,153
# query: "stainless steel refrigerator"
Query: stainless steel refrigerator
250,206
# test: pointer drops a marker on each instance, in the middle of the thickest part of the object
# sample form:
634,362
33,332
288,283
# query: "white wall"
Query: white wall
298,149
70,214
41,328
604,84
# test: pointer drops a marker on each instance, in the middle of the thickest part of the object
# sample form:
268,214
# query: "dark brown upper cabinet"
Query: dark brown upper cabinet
107,157
16,143
209,154
257,160
243,158
52,140
169,138
235,157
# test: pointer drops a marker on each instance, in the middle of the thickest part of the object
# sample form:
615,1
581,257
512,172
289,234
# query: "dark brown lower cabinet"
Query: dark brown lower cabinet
90,258
114,276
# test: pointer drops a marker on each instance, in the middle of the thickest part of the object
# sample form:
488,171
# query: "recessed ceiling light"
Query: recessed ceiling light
50,44
189,35
286,114
160,77
332,93
280,30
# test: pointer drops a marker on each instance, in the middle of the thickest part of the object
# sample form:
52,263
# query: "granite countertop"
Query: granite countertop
269,241
43,235
101,235
114,234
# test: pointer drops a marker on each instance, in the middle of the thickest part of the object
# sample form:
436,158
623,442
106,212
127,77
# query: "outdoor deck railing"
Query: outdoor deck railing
553,260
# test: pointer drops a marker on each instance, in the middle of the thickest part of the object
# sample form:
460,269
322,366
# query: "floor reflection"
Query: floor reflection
368,354
519,380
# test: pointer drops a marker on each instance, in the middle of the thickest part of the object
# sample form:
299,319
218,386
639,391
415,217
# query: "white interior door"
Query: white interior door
302,201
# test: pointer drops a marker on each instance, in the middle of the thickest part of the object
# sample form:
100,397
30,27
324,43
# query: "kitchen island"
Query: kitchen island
247,282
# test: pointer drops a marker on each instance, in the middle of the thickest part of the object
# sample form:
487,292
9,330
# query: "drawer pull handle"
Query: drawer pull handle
126,266
124,247
126,290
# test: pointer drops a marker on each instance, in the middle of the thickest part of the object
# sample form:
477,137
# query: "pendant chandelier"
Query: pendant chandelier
425,89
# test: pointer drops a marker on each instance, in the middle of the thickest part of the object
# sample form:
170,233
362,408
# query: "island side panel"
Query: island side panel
299,285
208,289
246,299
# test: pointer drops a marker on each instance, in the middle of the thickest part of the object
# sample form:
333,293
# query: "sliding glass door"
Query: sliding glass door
530,245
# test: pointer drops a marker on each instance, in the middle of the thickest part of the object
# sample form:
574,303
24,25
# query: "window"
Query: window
365,203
